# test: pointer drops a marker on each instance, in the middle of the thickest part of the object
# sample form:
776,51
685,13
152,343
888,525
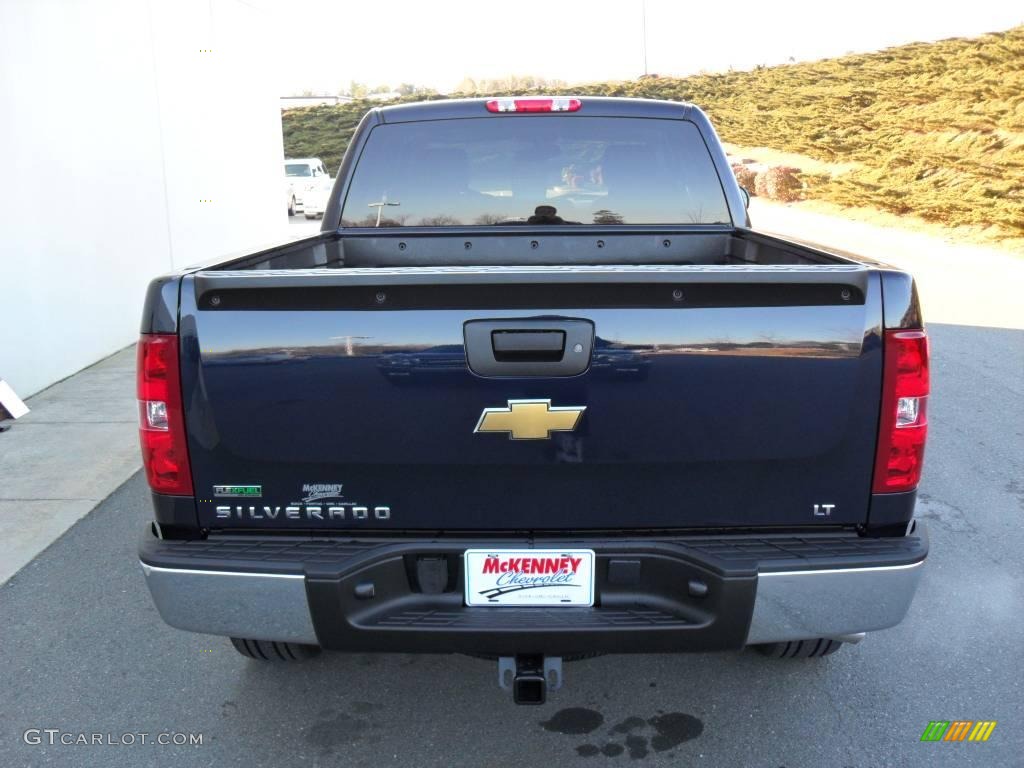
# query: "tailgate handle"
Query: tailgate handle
529,347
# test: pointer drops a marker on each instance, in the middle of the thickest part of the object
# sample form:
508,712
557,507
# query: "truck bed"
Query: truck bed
504,246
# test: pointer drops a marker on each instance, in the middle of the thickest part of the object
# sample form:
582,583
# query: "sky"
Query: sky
437,43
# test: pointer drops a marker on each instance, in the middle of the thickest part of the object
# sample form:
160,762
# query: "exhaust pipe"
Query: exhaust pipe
529,676
852,639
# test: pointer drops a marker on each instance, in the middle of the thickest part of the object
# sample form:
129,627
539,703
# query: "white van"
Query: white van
304,176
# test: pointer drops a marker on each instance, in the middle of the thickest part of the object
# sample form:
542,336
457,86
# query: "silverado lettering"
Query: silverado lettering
615,418
302,513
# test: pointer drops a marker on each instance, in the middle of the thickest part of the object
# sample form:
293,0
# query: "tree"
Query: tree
604,216
489,218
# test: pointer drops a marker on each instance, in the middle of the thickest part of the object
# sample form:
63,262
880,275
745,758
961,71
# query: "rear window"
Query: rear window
552,169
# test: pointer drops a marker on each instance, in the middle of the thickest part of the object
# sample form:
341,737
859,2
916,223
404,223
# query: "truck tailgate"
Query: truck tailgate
710,397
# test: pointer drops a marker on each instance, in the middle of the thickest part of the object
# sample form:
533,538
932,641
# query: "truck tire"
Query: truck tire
800,649
272,650
291,206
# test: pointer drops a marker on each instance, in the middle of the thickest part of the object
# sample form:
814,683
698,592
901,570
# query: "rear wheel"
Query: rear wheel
291,206
272,650
800,649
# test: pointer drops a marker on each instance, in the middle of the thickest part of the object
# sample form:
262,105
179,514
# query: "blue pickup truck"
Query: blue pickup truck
536,391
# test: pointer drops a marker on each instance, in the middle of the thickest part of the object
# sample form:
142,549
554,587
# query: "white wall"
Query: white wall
114,125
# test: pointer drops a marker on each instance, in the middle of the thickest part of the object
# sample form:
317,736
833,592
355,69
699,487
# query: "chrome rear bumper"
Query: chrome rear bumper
786,604
256,606
802,605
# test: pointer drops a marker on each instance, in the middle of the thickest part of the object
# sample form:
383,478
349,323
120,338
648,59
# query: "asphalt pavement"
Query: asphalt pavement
85,652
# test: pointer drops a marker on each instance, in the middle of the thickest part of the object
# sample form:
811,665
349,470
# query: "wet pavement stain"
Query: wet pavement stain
637,746
639,737
574,721
338,731
673,729
629,724
364,707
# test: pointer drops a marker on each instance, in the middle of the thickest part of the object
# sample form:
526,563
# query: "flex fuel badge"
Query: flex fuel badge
237,491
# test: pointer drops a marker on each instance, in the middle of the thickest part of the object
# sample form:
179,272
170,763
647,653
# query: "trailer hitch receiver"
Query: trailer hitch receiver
529,676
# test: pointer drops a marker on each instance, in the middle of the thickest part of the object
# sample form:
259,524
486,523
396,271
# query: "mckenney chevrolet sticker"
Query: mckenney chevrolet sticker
319,491
529,577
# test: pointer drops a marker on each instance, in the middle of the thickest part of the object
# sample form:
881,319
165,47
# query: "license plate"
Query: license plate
529,577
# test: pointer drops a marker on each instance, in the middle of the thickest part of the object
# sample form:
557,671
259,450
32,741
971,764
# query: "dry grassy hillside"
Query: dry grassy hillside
933,129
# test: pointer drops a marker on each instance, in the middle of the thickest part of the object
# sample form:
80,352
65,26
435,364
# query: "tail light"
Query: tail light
161,418
534,105
904,422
